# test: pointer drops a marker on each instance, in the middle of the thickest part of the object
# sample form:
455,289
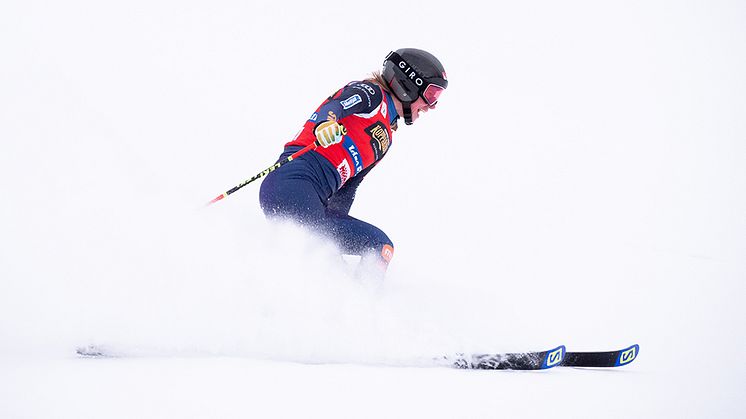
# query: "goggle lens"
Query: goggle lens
432,93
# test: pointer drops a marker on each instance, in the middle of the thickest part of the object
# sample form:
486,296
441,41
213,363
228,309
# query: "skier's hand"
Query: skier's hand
329,133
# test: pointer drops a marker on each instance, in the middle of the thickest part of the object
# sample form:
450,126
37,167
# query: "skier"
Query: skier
354,129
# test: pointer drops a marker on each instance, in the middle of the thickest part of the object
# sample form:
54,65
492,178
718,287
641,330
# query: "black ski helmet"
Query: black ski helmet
411,73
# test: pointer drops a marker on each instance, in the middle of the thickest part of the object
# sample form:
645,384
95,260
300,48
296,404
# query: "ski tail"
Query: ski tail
601,359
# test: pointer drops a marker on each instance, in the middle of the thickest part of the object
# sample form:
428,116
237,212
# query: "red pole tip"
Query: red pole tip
216,199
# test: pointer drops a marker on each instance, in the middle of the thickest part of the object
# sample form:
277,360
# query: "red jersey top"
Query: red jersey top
367,112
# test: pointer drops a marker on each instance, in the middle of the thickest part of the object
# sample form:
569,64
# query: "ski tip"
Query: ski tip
92,351
627,355
554,357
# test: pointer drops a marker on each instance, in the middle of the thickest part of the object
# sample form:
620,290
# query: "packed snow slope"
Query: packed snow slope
582,182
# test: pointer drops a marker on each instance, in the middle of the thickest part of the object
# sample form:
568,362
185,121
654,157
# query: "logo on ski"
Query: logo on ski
555,357
628,355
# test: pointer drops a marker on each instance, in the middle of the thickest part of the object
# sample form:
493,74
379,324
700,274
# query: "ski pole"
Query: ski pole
265,172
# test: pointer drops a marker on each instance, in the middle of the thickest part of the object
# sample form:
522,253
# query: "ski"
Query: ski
601,359
511,361
541,360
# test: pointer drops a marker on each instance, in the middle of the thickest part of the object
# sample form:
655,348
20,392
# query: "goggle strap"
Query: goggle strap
397,57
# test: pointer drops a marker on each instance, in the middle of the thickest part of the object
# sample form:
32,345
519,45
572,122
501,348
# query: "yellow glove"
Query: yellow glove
329,133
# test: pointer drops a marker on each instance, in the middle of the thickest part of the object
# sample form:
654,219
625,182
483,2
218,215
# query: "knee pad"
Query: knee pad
387,253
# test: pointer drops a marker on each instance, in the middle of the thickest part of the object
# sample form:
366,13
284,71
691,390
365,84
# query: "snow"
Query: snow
581,183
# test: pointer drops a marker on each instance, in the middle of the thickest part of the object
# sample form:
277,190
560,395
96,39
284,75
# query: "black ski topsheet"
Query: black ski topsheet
512,361
601,359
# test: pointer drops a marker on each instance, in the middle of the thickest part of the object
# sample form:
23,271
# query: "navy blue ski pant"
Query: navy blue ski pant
293,192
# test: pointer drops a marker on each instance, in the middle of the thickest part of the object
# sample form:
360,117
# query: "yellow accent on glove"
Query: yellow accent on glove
329,133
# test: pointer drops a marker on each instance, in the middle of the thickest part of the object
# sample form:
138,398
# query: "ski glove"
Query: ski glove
329,133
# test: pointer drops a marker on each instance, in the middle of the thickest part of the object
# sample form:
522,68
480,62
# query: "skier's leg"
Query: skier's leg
356,237
283,195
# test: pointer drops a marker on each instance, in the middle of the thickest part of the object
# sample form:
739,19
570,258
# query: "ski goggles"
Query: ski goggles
432,93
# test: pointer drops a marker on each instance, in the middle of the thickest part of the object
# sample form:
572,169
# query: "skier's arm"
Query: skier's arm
356,98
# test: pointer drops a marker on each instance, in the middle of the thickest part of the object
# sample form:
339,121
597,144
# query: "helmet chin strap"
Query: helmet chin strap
407,108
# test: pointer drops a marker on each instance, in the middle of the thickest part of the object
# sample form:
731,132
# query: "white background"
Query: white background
582,182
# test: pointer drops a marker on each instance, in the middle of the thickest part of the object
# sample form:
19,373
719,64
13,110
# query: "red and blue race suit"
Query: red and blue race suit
317,188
